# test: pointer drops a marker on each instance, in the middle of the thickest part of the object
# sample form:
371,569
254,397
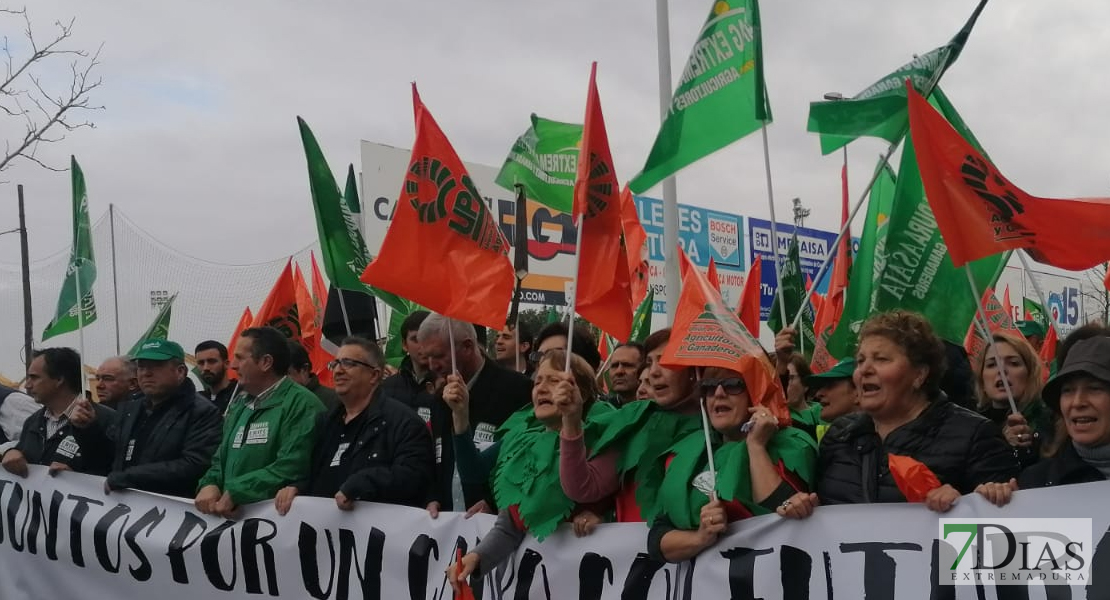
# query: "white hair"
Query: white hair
437,326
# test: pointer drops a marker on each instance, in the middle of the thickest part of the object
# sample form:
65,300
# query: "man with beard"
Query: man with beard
163,441
212,361
269,430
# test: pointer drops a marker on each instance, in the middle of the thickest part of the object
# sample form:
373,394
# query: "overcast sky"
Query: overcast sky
198,144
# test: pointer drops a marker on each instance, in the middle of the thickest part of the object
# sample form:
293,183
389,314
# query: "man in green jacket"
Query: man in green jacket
268,431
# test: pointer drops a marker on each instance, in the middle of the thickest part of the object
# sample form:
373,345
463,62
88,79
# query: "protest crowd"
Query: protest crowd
686,428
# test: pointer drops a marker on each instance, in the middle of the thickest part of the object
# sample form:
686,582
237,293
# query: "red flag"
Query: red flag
603,292
914,478
748,307
711,275
981,213
306,314
833,305
320,357
998,319
1106,280
635,244
244,322
280,309
707,334
443,249
1048,350
1006,306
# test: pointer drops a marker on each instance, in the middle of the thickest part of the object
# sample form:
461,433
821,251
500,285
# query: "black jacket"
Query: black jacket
391,461
63,446
419,395
177,452
961,447
497,393
1065,468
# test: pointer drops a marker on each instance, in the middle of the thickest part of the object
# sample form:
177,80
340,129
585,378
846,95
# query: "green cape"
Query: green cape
682,502
644,433
527,469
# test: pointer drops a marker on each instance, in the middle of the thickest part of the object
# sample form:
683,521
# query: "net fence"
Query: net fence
211,296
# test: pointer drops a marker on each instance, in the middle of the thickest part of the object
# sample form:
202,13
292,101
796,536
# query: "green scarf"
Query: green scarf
644,433
682,502
810,415
527,470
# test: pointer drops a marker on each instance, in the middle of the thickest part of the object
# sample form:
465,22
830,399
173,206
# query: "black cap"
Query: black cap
1089,357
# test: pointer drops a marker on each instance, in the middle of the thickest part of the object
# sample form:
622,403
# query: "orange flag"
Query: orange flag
1048,350
635,244
914,478
306,312
443,249
832,307
748,308
1006,306
603,291
981,213
711,275
320,357
244,322
707,334
998,319
280,308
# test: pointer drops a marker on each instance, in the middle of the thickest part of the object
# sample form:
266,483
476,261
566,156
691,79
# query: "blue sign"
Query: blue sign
703,234
814,246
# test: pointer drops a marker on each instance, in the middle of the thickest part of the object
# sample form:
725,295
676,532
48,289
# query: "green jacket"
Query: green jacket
267,447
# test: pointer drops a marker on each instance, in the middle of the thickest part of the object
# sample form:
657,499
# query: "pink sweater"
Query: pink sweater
586,481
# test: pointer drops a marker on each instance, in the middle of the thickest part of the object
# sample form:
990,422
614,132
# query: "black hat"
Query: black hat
1090,357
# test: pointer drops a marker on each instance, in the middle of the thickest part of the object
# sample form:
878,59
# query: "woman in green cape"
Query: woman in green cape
628,457
758,465
525,480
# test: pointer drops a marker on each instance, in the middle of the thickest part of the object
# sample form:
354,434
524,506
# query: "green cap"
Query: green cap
159,350
1030,328
841,370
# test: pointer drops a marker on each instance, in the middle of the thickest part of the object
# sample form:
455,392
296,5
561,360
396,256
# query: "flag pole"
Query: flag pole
451,342
774,226
708,441
516,340
343,310
990,338
884,160
1036,286
80,322
572,304
670,188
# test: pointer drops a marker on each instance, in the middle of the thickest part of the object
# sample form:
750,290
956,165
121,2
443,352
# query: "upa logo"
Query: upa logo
724,239
1015,551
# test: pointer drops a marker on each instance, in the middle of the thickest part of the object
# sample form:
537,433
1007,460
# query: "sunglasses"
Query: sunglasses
732,385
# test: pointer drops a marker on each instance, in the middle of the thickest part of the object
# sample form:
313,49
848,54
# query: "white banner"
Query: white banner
62,537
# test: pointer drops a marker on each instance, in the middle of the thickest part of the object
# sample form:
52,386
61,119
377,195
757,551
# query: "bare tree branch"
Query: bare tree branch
26,96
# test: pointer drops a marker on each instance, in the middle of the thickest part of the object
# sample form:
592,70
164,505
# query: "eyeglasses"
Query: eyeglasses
349,363
732,385
536,356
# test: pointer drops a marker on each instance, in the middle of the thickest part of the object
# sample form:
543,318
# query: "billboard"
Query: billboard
814,246
703,233
1063,294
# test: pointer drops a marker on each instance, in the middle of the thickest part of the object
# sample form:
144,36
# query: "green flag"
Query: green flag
158,330
341,245
793,294
720,97
1035,312
350,193
866,266
917,273
81,272
641,319
880,110
545,161
394,353
553,315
